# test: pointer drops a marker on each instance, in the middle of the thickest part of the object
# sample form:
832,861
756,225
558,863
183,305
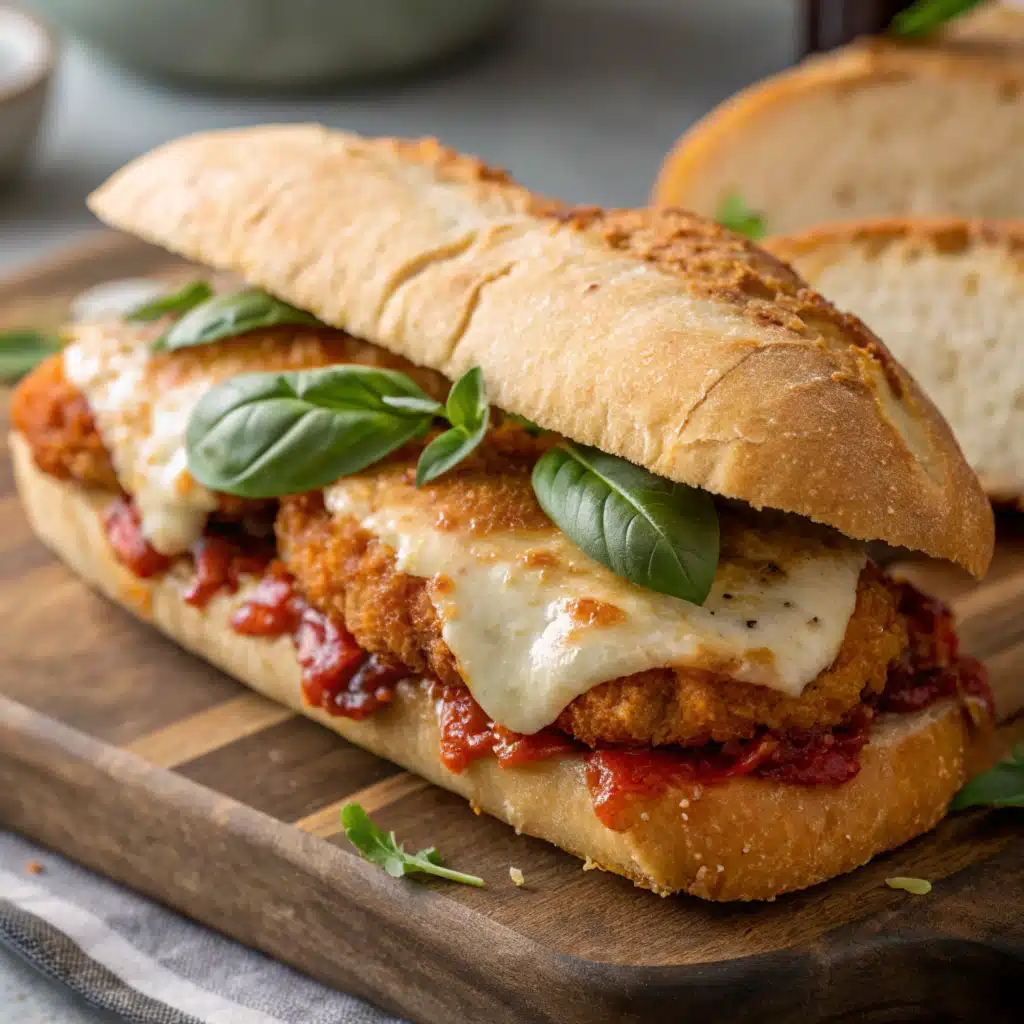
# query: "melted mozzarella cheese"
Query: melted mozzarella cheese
534,623
143,426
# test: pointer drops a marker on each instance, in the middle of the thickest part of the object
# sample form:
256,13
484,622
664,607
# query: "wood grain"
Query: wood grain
127,754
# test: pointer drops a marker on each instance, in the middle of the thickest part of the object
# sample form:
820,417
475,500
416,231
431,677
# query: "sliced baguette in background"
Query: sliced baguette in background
876,128
947,296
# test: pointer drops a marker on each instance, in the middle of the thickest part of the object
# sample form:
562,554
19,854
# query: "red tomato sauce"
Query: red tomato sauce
343,679
468,733
338,676
123,527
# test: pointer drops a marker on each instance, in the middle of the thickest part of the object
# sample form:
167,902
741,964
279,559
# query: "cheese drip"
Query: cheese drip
533,622
143,421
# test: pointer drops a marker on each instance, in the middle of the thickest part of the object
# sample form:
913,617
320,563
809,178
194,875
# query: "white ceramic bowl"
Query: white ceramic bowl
275,44
26,69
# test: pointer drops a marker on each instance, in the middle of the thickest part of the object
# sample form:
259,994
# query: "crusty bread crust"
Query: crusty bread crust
658,337
864,64
747,839
817,248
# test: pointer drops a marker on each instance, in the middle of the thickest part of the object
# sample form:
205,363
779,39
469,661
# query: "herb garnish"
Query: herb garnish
925,16
229,315
651,531
381,848
1001,786
264,435
468,413
735,215
187,297
21,351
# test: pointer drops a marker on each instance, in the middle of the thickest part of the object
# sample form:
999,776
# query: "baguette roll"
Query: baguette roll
744,839
658,337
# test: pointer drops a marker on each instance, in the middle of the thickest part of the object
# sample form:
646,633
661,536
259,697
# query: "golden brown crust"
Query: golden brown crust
863,64
654,336
945,235
746,839
692,708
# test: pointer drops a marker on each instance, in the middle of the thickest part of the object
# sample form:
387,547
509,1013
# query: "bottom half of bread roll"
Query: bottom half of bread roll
743,838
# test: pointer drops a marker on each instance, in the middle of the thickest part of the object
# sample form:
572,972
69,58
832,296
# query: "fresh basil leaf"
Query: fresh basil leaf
21,351
734,214
469,414
262,435
649,530
925,16
424,405
181,301
381,848
227,316
467,401
1001,786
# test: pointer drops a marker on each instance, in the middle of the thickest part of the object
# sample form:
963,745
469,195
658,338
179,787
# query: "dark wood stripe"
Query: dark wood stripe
290,770
327,821
190,738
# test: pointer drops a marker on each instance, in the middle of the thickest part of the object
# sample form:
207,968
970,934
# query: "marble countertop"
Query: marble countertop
581,100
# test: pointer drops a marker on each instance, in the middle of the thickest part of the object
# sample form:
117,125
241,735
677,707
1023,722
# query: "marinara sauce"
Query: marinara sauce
338,676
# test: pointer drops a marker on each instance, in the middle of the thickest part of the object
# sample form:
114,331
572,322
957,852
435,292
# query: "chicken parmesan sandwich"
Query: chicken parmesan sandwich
565,510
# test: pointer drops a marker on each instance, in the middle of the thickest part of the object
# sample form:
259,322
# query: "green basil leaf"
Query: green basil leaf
262,435
467,402
381,848
21,351
469,414
227,316
181,301
1001,786
734,214
925,16
649,530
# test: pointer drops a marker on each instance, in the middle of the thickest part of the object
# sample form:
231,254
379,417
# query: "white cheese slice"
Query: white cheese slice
534,623
143,421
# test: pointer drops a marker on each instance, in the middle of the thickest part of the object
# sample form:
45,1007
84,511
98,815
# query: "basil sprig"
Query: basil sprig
262,435
735,215
468,413
381,848
649,530
1001,786
226,316
187,297
21,351
925,16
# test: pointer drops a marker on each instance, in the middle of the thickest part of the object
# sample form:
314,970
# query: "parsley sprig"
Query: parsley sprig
734,214
925,16
381,848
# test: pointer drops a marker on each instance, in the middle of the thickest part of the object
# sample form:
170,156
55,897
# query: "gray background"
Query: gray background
581,100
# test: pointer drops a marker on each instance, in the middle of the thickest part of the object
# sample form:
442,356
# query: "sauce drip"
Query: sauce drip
123,527
468,733
338,676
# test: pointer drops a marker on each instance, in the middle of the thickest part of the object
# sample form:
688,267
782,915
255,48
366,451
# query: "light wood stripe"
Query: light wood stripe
327,822
984,599
209,730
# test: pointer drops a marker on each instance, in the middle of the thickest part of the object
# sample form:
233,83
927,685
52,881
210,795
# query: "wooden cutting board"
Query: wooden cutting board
130,756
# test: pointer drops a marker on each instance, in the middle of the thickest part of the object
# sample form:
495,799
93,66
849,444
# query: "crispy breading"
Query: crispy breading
52,414
54,417
345,571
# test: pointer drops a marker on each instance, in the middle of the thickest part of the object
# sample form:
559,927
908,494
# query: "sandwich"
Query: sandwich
564,510
876,128
946,294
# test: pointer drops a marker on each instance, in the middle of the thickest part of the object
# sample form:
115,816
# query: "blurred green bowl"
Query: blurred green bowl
274,43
